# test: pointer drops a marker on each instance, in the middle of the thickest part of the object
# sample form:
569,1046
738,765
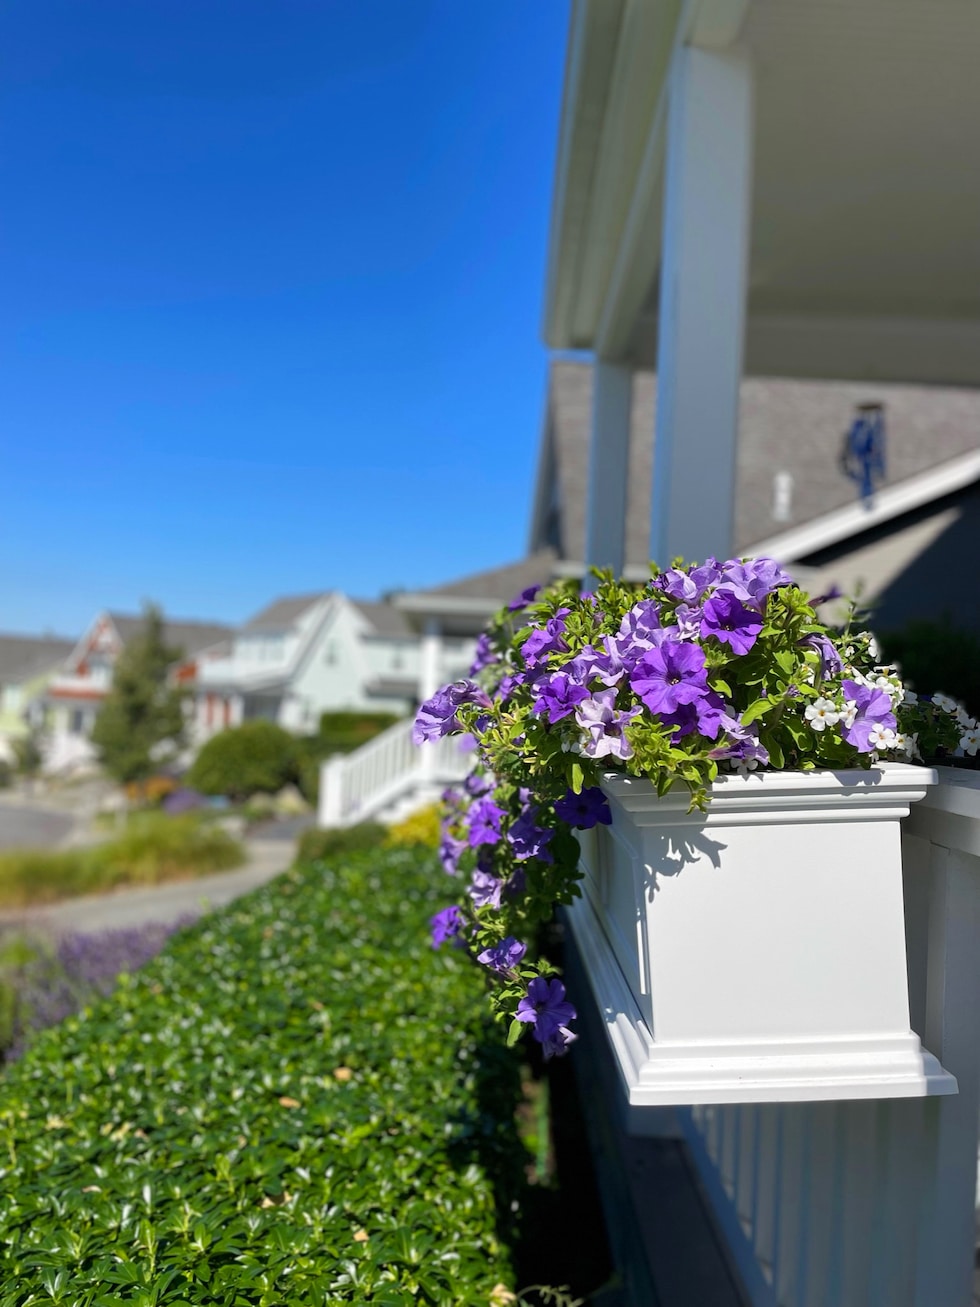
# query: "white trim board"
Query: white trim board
887,504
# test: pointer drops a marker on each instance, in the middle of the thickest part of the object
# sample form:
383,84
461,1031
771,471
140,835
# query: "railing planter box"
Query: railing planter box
756,952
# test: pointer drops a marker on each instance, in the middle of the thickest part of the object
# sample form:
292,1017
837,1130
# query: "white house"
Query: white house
306,654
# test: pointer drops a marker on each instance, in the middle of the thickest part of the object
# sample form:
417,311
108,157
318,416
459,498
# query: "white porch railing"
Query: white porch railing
385,772
872,1204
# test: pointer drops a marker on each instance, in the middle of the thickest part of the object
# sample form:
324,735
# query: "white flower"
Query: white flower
970,742
849,712
747,765
882,737
821,713
910,696
945,702
873,648
964,718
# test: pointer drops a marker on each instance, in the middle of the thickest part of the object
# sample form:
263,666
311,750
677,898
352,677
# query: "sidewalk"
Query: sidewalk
159,903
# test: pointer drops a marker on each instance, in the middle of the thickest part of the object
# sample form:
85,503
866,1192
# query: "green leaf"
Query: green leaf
578,777
514,1032
756,709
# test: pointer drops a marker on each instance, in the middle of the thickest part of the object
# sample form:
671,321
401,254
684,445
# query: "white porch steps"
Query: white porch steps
388,778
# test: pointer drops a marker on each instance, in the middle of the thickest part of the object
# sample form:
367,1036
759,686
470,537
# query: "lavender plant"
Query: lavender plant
705,669
54,981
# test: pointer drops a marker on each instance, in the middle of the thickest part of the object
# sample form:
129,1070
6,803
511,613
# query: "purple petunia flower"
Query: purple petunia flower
706,715
529,840
670,676
507,686
477,784
485,889
503,957
558,695
484,655
547,639
688,618
830,660
870,707
484,822
446,924
754,581
689,586
550,1012
523,599
605,726
584,810
728,620
641,626
437,716
450,851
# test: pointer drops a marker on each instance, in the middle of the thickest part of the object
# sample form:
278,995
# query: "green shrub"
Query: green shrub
342,732
936,655
297,1102
254,758
316,843
151,848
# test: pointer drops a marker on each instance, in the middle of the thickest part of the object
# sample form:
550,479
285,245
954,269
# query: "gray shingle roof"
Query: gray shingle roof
501,583
785,426
190,637
283,613
384,618
23,657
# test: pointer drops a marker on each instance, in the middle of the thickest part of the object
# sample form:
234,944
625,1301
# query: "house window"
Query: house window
76,724
397,659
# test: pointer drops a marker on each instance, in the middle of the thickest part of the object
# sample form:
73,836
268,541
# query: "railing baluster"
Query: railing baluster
766,1196
790,1204
747,1163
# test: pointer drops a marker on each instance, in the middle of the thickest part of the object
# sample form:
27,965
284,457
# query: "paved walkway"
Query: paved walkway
27,825
160,903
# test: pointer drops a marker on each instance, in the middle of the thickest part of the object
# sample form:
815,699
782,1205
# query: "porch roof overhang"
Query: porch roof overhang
864,251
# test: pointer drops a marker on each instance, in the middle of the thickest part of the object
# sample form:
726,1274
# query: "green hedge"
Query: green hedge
298,1102
255,758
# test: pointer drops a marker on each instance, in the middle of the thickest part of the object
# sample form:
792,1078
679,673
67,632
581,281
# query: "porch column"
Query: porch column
605,526
703,271
430,659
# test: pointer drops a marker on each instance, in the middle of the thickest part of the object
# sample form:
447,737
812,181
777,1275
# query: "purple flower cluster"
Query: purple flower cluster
56,983
705,664
437,716
547,1010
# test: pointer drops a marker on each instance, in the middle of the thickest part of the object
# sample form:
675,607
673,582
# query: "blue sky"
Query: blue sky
272,277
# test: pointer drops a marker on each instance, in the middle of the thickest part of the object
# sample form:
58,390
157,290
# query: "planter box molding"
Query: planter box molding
756,952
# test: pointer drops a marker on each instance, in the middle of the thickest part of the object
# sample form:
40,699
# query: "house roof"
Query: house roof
283,613
384,618
190,637
787,427
23,657
489,589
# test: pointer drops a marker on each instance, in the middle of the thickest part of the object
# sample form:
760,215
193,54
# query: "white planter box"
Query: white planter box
756,952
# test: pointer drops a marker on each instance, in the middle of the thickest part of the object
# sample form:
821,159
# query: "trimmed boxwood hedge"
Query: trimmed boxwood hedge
298,1102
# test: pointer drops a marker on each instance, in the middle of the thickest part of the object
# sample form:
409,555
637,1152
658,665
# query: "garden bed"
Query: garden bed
151,848
298,1101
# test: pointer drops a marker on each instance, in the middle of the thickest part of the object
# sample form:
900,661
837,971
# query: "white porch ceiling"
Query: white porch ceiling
865,248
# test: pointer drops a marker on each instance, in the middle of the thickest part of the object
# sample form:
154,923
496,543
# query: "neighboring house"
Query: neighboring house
67,709
304,655
27,664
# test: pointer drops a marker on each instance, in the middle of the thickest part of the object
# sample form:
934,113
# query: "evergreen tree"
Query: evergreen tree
142,710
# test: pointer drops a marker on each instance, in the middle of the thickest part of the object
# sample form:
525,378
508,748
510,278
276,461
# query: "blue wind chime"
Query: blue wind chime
863,453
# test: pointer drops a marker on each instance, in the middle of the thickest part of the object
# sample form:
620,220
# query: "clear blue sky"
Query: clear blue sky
272,276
